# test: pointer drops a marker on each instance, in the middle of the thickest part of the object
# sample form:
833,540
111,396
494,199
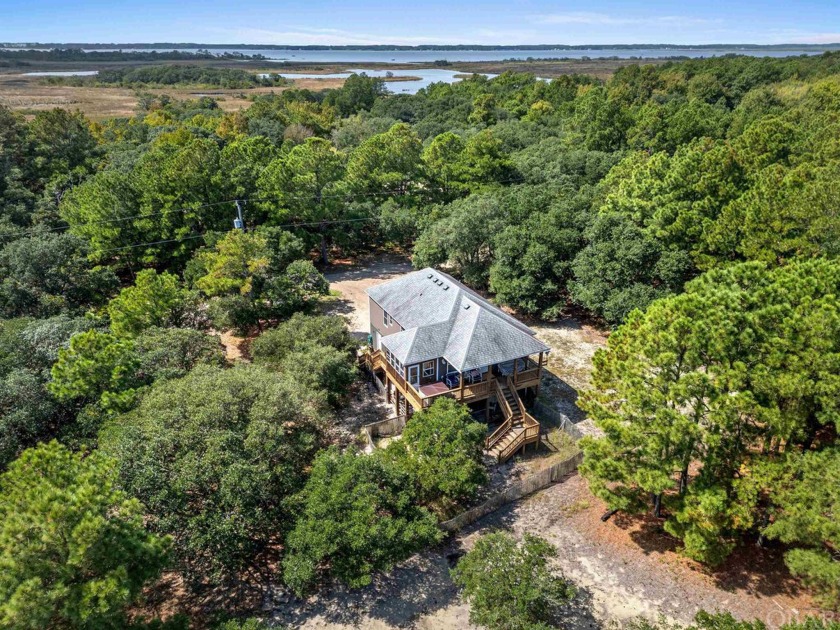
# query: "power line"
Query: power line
186,209
168,240
214,204
194,236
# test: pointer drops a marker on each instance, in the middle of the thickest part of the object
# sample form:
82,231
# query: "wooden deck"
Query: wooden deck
422,397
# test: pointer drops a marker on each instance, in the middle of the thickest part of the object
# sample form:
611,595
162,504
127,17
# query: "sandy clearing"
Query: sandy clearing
351,281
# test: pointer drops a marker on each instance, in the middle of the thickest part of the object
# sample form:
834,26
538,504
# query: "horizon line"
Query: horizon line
186,44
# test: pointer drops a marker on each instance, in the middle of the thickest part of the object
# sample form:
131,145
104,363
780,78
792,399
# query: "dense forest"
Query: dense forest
690,206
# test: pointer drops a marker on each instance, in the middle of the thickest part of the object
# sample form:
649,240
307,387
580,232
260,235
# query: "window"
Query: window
387,319
428,369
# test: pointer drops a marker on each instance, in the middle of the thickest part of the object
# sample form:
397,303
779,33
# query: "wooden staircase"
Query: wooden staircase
518,429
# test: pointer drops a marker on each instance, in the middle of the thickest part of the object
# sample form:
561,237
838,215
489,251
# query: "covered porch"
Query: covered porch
419,385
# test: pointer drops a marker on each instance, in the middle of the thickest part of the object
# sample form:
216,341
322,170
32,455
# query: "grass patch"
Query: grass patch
560,443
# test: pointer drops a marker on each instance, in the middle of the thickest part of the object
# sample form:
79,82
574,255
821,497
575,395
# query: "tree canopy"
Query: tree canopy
721,376
73,548
241,439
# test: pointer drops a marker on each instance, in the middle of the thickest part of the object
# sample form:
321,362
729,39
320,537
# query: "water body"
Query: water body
428,56
63,73
427,76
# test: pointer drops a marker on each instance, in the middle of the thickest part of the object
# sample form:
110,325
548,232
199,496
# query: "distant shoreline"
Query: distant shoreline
424,47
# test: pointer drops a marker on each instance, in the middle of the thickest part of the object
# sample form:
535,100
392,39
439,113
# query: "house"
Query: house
431,336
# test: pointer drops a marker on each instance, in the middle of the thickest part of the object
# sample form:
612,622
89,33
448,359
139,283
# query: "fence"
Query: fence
551,416
538,481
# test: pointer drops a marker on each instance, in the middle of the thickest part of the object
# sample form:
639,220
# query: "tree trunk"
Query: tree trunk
683,480
657,505
324,258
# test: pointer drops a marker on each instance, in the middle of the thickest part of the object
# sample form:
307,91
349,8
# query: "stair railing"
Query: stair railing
500,395
498,434
511,448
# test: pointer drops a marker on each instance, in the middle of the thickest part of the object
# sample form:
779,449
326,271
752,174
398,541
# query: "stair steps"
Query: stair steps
511,436
504,443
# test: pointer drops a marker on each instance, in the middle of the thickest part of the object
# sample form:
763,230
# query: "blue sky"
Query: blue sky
420,22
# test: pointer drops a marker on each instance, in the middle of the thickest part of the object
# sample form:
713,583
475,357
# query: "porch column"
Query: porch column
388,385
515,371
539,373
487,409
462,387
397,401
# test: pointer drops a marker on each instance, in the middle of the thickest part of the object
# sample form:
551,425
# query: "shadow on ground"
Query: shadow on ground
398,598
750,568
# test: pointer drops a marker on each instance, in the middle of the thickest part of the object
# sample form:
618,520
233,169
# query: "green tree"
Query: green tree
253,279
624,268
806,497
532,264
96,367
235,264
483,160
26,413
358,93
73,548
320,368
510,585
673,390
304,186
241,164
298,333
214,456
386,164
357,516
166,353
463,237
154,300
442,161
600,120
442,448
101,211
62,142
47,274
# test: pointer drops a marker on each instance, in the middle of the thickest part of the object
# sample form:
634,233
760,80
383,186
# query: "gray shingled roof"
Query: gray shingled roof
443,318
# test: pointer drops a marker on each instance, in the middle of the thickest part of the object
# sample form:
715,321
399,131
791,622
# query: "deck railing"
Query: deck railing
375,360
532,428
526,376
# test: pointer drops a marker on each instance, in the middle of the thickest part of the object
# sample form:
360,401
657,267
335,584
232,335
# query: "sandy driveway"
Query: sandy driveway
351,283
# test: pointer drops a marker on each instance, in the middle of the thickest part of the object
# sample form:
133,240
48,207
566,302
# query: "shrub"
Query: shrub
358,515
509,584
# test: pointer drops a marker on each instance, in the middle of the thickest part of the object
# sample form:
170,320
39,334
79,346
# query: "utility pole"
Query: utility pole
239,221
